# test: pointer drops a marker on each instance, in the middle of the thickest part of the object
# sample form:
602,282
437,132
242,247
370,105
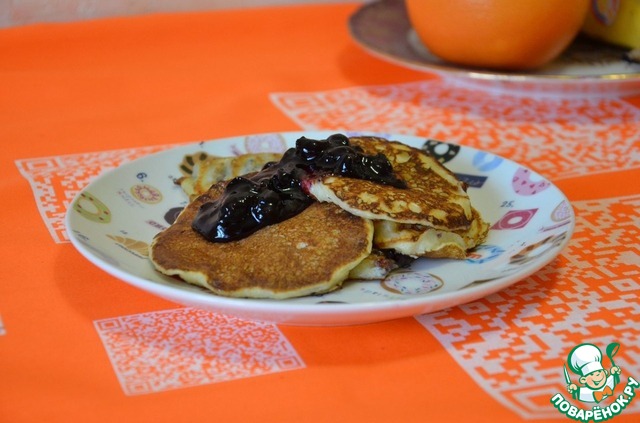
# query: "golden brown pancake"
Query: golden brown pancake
433,197
310,253
422,241
330,241
212,169
208,170
432,217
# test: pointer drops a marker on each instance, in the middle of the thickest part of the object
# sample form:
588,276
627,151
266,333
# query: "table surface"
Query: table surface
79,345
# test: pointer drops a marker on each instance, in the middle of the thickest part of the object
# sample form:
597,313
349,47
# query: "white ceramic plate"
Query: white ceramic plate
586,69
112,221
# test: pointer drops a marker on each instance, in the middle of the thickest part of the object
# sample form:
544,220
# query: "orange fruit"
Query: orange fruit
497,34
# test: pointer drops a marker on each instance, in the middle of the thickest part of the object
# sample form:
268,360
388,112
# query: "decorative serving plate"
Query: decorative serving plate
113,220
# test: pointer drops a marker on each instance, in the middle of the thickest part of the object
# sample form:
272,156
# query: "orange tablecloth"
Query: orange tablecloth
129,85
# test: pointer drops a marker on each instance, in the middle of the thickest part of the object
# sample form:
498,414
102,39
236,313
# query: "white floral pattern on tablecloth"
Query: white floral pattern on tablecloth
171,349
515,342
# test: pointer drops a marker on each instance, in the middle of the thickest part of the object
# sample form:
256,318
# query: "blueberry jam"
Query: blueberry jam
276,193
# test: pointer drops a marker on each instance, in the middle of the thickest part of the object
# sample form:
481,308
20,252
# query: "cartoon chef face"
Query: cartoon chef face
595,380
586,360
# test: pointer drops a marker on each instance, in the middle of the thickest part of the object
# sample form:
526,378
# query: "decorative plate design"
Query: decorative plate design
586,69
531,224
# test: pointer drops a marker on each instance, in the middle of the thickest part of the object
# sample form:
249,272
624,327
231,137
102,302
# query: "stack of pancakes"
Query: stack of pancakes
355,230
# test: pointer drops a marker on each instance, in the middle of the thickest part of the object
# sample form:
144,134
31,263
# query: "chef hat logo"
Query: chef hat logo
585,359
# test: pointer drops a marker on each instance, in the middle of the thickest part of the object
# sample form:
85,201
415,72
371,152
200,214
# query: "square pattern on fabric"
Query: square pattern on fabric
172,349
514,343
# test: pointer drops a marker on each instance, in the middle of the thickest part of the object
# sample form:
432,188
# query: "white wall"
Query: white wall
21,12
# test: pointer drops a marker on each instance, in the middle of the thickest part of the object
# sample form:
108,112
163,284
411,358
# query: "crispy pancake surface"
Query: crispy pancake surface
433,197
310,253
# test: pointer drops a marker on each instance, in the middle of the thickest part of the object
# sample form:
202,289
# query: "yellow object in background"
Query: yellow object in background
614,21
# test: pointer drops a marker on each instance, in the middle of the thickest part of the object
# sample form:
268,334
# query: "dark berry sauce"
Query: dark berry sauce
276,193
